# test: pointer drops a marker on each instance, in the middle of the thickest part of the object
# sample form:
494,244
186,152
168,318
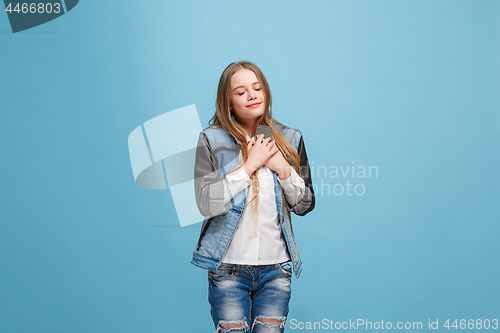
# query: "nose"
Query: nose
251,95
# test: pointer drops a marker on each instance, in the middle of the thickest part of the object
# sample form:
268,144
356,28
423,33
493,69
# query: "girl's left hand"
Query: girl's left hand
278,164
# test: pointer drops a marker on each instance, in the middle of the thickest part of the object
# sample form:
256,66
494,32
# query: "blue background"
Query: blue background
408,86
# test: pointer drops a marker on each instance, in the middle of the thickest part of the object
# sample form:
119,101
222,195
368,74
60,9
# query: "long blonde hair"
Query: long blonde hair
222,119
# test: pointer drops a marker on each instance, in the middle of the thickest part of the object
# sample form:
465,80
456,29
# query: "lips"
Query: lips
254,105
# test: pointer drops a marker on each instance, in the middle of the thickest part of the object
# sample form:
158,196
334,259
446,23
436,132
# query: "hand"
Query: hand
278,164
258,152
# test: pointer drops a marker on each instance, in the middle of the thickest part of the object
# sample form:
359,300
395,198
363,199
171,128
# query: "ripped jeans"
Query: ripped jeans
247,298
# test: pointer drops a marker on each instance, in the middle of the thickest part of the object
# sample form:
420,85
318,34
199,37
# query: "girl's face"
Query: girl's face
247,96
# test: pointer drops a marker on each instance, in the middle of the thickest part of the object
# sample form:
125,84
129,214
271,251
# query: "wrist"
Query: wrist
248,169
286,172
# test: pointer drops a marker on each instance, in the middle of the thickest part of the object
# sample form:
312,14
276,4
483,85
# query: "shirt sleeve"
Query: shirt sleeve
293,187
234,183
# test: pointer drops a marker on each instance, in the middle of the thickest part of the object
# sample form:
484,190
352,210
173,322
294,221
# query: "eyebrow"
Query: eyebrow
256,82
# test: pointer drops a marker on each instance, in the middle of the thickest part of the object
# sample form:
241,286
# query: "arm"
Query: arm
307,202
214,193
293,187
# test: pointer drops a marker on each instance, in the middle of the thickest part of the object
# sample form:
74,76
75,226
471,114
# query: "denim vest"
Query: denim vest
216,234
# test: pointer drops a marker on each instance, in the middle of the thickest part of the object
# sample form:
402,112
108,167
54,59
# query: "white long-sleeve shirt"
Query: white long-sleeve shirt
259,242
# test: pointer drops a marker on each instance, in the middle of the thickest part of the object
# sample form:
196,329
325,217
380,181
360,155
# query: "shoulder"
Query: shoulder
213,132
217,137
293,135
212,129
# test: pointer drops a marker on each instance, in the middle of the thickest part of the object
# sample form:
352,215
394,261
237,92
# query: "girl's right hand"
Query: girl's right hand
258,152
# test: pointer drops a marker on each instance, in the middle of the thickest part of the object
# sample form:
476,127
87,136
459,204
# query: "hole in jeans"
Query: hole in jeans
230,325
270,321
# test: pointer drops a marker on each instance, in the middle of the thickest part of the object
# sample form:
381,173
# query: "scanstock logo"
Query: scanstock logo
163,152
28,14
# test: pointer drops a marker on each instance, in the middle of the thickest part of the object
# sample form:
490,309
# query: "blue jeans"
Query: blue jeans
247,298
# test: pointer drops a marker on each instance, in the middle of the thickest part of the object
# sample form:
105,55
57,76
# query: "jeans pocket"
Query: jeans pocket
221,273
285,269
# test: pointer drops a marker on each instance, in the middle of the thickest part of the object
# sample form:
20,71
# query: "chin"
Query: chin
261,112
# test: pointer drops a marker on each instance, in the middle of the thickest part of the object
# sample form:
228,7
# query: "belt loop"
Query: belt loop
236,269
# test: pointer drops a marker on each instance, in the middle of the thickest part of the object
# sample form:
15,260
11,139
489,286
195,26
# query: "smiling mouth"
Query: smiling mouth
254,105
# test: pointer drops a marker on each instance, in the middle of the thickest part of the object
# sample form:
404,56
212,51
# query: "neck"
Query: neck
249,125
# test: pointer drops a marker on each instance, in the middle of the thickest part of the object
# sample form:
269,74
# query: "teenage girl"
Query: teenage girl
246,187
